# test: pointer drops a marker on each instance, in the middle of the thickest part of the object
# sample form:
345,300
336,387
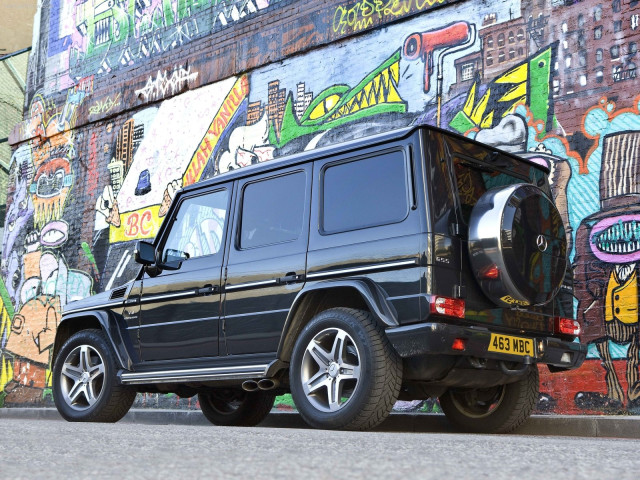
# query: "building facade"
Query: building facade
127,101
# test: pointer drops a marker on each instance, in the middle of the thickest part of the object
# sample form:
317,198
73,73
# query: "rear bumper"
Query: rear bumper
438,338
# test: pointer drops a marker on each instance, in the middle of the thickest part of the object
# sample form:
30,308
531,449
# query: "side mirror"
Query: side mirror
144,253
173,259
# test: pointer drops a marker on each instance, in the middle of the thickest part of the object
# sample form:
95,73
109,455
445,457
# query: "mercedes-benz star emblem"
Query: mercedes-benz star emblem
542,243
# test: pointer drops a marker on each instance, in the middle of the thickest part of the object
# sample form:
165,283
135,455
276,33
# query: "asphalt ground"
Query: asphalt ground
607,426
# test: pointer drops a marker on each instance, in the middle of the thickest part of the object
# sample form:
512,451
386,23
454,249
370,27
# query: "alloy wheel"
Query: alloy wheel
330,370
480,402
82,377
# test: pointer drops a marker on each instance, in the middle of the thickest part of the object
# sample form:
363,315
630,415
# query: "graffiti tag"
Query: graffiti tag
361,15
164,84
105,105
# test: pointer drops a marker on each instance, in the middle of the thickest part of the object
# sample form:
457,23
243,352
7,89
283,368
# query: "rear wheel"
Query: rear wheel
235,407
85,387
498,409
343,371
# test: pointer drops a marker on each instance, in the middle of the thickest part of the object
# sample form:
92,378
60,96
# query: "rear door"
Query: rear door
180,309
267,258
474,171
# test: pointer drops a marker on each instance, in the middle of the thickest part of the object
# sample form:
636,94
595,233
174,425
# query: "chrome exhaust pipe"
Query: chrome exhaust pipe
268,384
250,386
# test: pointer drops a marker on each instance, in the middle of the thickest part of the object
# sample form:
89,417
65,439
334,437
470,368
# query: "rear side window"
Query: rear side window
272,210
365,193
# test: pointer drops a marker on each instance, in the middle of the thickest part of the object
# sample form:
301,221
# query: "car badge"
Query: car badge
542,243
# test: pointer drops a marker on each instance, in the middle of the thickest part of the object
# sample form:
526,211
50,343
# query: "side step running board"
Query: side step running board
194,375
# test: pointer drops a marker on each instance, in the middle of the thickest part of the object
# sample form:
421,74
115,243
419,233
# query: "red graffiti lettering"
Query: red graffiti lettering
132,226
146,225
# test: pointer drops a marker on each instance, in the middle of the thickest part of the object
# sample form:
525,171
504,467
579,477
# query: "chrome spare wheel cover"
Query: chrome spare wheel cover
82,377
330,370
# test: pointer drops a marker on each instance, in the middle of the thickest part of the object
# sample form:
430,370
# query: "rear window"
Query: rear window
365,193
473,179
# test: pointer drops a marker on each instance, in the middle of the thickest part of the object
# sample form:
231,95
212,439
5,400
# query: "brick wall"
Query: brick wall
129,103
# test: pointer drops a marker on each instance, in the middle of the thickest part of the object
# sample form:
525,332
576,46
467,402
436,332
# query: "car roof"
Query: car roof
343,147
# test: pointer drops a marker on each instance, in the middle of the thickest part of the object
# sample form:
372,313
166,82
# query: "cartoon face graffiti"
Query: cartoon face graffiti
50,189
607,255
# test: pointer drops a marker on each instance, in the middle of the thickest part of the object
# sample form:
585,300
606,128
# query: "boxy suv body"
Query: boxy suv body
409,265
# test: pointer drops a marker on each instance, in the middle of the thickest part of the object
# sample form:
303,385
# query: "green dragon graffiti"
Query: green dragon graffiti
339,104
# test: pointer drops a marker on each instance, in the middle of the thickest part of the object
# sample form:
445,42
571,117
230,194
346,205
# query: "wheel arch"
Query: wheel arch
75,322
362,294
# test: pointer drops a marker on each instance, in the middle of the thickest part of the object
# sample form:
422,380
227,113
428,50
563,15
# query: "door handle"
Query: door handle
132,300
289,278
207,290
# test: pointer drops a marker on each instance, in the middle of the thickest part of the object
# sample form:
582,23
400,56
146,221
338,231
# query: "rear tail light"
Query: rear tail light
451,307
492,272
567,326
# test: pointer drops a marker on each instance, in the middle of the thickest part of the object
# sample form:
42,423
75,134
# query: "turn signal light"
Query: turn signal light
451,307
567,326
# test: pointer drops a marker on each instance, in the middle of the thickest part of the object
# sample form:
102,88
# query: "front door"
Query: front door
267,258
180,309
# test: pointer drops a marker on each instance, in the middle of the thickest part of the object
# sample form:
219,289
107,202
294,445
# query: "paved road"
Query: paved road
55,449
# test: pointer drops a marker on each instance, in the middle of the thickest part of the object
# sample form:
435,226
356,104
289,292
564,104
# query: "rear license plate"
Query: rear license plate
511,345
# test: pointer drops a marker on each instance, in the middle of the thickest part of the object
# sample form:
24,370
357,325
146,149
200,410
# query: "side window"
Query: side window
365,193
272,210
198,227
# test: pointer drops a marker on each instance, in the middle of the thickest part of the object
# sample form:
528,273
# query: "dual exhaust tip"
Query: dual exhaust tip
264,384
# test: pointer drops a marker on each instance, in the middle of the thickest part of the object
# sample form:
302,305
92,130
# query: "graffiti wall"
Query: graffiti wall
130,101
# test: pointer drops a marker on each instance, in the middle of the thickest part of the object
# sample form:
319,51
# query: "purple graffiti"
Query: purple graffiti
617,239
54,233
56,44
18,214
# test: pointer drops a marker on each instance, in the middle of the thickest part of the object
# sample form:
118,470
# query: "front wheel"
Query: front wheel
498,409
85,387
235,407
344,372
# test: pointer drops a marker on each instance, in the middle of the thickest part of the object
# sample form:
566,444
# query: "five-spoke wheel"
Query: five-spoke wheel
343,371
330,369
82,377
85,387
498,409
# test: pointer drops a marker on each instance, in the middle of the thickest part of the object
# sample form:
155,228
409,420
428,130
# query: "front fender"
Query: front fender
73,323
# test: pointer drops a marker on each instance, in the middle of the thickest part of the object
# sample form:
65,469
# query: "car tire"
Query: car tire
85,385
344,374
235,407
498,409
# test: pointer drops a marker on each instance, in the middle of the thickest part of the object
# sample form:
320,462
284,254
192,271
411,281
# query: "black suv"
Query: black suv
412,264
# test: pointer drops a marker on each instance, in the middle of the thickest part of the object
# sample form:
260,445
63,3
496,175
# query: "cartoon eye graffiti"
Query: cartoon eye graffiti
18,324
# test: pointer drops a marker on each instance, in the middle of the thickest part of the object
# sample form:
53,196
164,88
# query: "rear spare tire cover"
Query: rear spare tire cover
517,245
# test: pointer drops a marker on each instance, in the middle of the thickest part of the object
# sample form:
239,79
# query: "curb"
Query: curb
546,425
